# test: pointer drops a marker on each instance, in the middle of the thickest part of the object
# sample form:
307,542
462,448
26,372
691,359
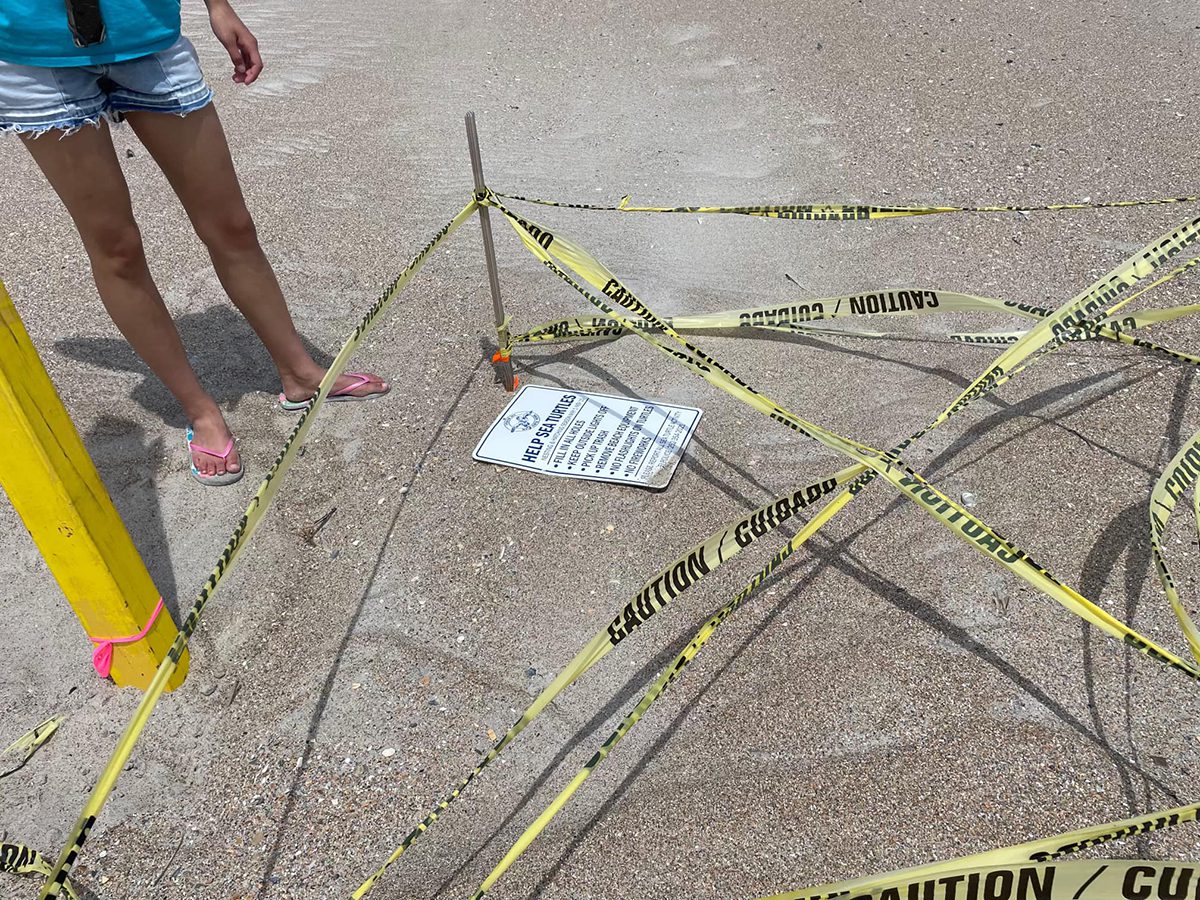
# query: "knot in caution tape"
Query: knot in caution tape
102,655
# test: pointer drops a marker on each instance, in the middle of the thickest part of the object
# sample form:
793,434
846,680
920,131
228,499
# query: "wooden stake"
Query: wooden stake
504,369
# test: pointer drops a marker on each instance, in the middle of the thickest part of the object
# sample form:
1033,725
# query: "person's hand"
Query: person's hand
238,40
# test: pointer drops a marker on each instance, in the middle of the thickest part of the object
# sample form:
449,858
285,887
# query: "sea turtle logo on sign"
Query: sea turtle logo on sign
522,421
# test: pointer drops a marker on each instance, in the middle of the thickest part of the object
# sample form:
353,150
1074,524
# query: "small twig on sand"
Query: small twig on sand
182,835
310,532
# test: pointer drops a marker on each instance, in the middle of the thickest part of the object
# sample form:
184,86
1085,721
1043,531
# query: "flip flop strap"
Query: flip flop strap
362,381
222,455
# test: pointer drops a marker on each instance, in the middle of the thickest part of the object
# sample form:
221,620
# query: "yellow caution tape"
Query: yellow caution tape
20,860
1092,314
17,858
1039,851
797,318
246,527
696,562
1181,473
1079,311
1100,300
889,302
844,212
667,676
31,741
680,575
1116,879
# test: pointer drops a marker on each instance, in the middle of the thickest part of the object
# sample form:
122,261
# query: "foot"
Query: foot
211,431
297,390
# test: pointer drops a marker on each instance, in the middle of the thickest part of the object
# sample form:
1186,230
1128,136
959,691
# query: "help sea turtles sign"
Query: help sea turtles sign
600,437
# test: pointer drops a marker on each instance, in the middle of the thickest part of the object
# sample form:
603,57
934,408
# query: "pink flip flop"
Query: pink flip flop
212,480
337,396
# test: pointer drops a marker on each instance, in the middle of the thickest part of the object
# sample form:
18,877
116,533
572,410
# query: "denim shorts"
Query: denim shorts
36,99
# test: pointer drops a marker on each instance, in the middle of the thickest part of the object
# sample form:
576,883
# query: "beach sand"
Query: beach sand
891,698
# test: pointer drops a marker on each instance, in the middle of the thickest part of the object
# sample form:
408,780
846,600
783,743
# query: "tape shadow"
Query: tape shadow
318,713
671,729
1027,408
1121,535
1127,535
838,555
778,337
227,355
815,343
633,687
1030,407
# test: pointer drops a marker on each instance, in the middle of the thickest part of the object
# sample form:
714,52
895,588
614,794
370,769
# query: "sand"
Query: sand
890,699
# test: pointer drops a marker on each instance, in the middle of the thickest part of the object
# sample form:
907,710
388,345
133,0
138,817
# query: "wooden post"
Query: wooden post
504,369
56,490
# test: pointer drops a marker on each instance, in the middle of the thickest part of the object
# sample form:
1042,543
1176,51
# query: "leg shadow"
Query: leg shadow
128,461
227,355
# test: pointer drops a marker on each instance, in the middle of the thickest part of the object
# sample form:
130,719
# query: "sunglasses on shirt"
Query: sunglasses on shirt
87,25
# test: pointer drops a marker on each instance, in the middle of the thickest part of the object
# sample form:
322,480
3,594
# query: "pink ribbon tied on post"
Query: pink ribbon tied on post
102,655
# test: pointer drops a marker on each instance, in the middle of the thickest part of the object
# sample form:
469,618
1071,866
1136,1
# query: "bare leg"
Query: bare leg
83,169
193,154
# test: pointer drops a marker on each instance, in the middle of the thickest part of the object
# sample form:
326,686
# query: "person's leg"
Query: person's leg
193,154
82,168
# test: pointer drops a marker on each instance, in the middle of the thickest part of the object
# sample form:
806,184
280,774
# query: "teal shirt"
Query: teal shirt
37,33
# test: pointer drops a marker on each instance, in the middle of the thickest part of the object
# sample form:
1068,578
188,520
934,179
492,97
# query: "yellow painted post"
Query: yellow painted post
56,490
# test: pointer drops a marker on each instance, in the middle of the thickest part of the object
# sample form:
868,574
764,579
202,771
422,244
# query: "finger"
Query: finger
251,56
235,56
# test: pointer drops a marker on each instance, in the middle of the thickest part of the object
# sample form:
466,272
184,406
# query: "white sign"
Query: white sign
594,436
